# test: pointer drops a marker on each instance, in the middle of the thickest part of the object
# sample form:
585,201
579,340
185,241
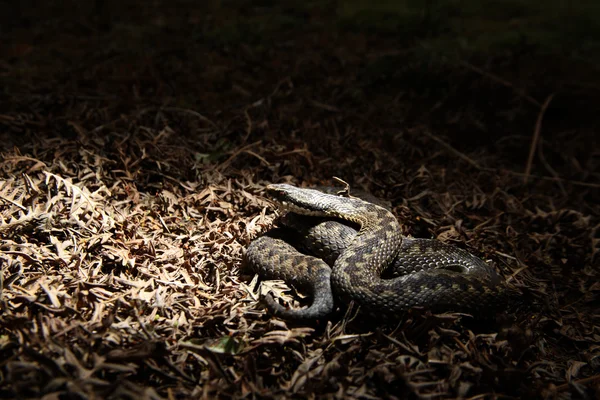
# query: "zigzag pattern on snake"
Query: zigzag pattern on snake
342,248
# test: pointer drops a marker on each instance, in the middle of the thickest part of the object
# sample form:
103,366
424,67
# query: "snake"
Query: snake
347,248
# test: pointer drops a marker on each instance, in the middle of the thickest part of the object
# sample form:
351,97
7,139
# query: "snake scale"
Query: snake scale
348,248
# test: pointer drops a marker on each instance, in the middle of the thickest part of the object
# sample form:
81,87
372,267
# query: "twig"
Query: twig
262,159
549,168
162,222
544,178
13,203
248,125
579,381
496,170
346,191
474,163
501,81
452,149
536,136
236,153
194,113
517,272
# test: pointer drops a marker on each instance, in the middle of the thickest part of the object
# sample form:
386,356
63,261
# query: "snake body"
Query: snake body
349,245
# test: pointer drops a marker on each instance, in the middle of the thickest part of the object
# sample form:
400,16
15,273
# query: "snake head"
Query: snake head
299,200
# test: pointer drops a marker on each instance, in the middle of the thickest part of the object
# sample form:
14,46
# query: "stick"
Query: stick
536,136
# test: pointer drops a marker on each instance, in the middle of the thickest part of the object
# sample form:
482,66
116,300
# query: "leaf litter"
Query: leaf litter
111,289
123,225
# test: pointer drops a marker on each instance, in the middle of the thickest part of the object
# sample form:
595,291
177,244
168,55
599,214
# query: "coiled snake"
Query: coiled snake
347,264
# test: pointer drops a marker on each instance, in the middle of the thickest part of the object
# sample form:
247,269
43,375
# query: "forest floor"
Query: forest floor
136,141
